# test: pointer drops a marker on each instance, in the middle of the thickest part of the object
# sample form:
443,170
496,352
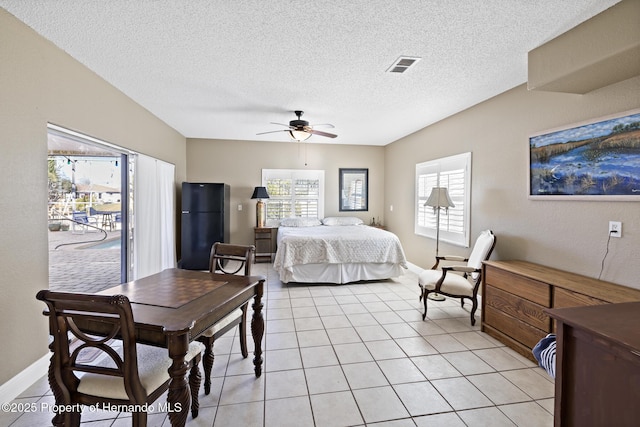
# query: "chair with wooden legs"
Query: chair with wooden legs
226,258
112,369
461,281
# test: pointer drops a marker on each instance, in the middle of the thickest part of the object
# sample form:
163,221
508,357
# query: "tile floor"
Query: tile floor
356,355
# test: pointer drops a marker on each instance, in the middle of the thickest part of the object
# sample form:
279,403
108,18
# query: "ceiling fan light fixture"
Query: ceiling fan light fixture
299,135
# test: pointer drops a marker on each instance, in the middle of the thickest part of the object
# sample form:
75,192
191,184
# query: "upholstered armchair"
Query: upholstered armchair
458,281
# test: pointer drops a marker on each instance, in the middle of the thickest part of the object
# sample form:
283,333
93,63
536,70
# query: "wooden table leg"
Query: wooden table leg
178,397
257,328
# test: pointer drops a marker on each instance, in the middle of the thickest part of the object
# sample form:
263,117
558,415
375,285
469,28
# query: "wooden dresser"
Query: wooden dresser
516,293
598,365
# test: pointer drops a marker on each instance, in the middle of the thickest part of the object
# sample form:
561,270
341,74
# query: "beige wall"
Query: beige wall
240,164
38,84
570,235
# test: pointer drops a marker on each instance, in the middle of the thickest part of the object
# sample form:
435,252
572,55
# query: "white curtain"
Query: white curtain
154,216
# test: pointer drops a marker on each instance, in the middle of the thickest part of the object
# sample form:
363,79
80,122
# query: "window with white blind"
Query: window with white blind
454,173
293,193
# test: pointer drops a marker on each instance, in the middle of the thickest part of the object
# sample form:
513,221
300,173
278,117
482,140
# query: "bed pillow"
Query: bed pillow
342,220
299,222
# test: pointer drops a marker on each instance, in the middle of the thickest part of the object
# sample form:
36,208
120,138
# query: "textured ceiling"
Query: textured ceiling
225,69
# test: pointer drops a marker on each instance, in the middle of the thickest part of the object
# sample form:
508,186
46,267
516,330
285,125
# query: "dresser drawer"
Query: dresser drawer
512,327
566,298
521,309
532,290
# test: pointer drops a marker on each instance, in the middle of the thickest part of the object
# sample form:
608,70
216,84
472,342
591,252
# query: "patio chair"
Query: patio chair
124,373
93,215
226,259
81,222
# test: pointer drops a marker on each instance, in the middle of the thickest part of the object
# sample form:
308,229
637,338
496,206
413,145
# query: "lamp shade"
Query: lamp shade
260,193
439,198
299,135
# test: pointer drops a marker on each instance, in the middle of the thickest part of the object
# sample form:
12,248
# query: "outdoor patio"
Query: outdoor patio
85,265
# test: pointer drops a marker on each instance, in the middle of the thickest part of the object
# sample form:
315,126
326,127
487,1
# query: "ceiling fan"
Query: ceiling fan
301,130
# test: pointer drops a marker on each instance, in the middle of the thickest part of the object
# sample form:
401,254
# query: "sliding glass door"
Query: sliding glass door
89,207
111,213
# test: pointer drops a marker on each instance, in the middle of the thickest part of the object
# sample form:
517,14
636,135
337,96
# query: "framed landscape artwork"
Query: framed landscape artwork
597,160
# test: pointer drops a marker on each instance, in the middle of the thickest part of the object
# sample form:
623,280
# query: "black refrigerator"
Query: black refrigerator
205,220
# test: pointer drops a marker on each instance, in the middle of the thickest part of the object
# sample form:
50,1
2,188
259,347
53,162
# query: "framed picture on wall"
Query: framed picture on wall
596,160
354,189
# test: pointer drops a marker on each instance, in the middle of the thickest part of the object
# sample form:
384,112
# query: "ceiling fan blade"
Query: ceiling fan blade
272,131
324,125
280,124
320,133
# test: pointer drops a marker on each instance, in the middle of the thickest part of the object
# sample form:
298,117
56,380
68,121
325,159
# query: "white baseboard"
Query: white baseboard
414,268
16,385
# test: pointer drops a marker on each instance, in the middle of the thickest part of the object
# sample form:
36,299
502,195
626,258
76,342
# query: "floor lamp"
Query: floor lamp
438,199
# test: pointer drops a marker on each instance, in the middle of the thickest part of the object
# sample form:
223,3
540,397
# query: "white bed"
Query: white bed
337,254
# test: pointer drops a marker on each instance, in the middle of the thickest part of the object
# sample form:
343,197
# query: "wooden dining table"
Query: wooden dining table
175,306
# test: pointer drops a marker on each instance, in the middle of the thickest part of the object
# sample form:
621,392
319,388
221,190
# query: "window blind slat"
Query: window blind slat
293,193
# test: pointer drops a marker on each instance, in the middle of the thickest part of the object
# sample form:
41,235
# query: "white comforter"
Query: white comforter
337,245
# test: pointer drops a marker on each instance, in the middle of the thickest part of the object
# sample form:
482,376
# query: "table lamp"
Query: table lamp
438,199
261,213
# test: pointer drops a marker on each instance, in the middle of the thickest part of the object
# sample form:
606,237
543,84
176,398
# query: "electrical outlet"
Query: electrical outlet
615,228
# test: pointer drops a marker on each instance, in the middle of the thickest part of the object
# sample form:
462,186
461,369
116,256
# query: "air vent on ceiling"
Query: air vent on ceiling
402,64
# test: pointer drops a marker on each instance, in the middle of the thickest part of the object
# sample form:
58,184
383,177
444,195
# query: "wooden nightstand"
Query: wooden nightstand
265,244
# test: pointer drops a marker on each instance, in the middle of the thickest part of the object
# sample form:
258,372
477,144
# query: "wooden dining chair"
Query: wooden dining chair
226,258
111,369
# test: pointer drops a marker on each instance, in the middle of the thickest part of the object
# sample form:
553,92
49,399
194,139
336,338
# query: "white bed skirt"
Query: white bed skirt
339,273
